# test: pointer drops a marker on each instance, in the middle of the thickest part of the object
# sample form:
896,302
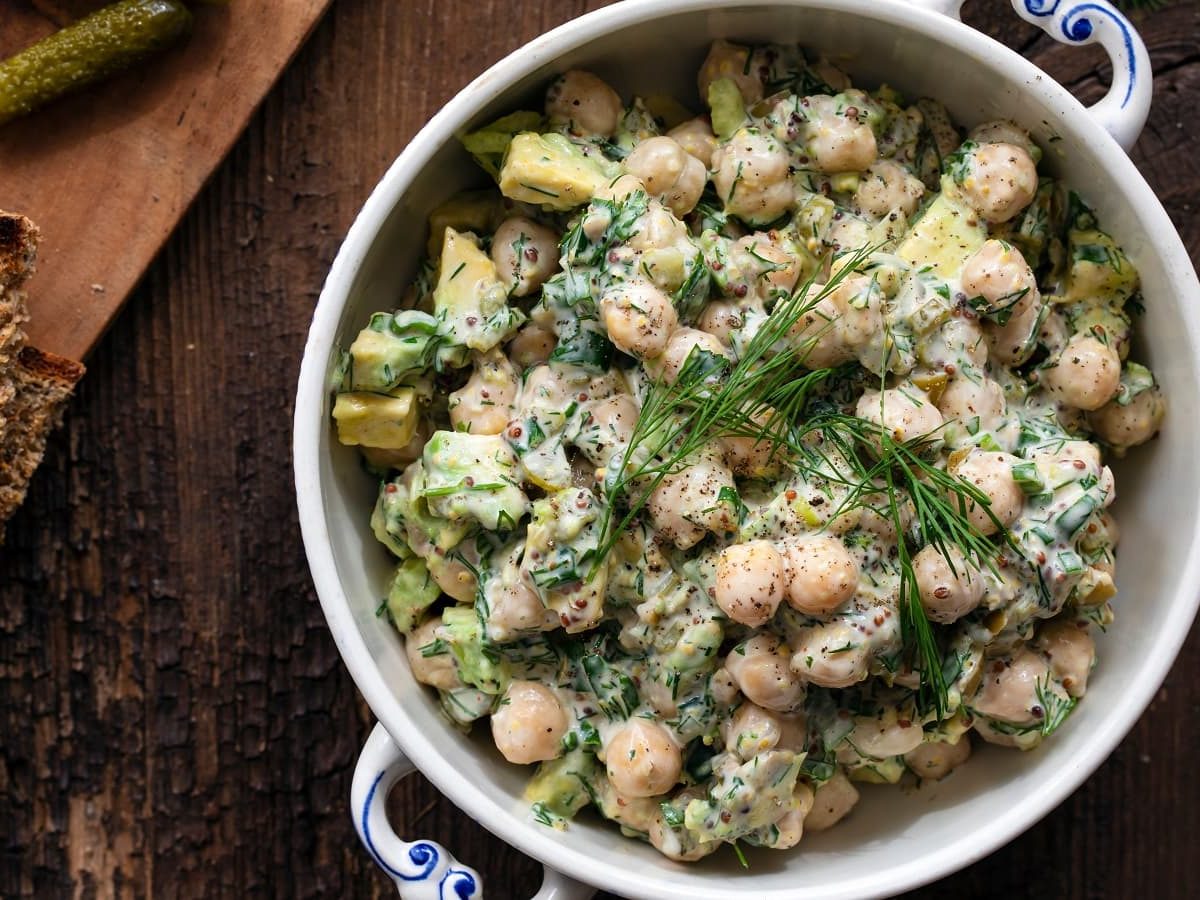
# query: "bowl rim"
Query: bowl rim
310,421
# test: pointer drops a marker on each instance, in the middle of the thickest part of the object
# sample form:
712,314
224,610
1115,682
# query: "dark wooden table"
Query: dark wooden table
174,718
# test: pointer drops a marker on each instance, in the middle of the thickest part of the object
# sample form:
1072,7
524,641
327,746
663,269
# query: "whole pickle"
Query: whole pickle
105,42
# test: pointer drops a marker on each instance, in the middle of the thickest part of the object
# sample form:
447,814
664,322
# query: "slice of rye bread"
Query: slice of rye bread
44,383
34,385
18,247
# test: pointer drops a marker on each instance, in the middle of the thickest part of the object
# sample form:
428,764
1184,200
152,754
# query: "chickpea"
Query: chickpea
1009,692
754,457
769,270
1132,424
439,670
672,175
610,428
886,735
966,339
484,404
821,574
726,60
949,588
616,190
687,505
639,318
532,346
679,844
1071,652
720,319
585,102
999,274
1086,375
697,138
845,320
1067,453
760,668
525,254
680,346
885,187
992,474
833,801
793,731
546,387
904,412
454,578
789,827
831,655
750,731
1005,131
815,334
657,229
964,399
1002,181
836,139
750,582
935,760
642,759
1012,343
529,724
751,176
517,610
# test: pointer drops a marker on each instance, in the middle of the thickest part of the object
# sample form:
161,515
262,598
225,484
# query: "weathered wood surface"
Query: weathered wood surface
108,174
175,718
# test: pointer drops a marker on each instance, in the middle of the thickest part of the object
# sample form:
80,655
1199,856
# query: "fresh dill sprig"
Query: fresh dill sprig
939,502
759,396
1055,709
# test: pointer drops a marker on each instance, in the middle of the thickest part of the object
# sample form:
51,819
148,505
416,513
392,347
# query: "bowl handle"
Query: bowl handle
422,870
1123,110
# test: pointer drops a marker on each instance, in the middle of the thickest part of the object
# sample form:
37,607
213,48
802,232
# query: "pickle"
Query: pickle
95,47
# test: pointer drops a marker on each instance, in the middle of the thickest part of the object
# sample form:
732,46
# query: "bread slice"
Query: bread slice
18,248
34,385
44,383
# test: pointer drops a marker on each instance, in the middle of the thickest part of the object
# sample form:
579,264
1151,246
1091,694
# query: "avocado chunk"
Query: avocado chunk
1099,271
549,170
945,236
477,211
470,301
489,143
480,663
473,477
387,521
728,109
561,785
393,347
376,420
402,519
411,592
746,798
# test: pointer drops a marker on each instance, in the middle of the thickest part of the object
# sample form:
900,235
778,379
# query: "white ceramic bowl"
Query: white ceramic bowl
894,841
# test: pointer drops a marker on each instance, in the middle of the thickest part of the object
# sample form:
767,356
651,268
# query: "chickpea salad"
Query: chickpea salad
732,460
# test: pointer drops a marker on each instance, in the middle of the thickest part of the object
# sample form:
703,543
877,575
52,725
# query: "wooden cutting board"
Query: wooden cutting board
107,174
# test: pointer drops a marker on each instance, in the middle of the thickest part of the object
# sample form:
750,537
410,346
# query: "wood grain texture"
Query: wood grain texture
108,173
176,721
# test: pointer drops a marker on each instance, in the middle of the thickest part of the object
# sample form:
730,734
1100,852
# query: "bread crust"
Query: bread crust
34,385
